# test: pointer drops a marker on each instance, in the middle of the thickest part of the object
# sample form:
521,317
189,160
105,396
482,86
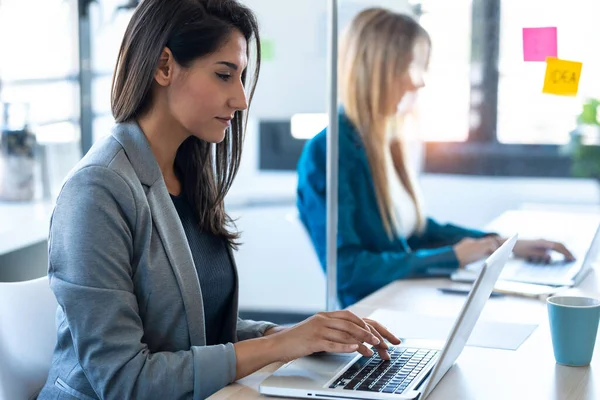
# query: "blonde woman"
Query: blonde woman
383,232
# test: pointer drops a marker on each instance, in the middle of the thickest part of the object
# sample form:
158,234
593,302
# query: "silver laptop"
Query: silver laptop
414,369
585,245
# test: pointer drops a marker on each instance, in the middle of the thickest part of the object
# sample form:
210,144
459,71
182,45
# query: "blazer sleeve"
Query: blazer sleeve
360,271
248,329
90,271
437,235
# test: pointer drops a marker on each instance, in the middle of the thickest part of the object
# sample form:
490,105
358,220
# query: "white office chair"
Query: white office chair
27,337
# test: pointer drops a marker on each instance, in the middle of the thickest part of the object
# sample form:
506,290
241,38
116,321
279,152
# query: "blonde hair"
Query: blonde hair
375,51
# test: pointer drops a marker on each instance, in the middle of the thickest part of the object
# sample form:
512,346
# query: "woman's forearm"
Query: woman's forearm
254,354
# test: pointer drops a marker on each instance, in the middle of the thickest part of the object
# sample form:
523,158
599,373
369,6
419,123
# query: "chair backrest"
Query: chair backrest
27,337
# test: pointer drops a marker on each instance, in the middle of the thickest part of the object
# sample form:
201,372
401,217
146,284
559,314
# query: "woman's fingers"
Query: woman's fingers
350,327
333,347
374,331
335,341
548,245
493,245
538,255
492,242
335,335
348,316
540,250
356,331
383,331
560,248
383,353
382,347
364,350
341,337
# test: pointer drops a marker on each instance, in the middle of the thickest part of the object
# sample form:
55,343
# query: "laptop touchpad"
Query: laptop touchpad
319,367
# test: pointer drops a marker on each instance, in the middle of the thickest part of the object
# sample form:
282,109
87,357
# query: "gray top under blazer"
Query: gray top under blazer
130,318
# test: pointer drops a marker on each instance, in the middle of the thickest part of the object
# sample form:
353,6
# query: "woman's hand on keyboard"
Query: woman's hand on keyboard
335,332
540,250
382,333
470,250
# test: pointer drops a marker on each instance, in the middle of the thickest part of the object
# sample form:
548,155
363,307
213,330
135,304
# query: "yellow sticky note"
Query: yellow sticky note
562,77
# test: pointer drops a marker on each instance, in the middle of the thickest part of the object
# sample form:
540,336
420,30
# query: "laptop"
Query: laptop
584,245
414,370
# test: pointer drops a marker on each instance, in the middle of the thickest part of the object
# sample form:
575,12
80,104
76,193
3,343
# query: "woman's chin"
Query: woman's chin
219,137
212,137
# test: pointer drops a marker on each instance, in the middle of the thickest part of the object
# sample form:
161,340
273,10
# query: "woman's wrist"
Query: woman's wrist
274,339
274,345
273,330
254,354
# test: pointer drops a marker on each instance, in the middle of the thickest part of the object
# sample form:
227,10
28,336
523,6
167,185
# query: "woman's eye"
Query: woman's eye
224,77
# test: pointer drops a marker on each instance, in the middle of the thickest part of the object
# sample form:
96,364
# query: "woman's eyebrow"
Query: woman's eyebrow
229,64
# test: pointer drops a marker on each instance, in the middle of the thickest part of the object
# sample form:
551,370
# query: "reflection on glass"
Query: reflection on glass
279,271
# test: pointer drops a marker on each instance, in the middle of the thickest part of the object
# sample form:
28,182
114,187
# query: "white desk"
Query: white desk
479,373
527,373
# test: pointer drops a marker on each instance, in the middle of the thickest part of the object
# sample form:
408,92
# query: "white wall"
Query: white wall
294,81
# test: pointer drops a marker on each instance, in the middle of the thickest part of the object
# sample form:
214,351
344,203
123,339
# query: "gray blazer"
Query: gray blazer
130,317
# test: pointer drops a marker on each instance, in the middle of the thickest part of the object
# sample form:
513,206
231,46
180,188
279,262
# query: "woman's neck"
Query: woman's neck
165,135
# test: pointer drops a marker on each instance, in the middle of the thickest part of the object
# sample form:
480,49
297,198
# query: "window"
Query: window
525,115
108,21
513,128
445,100
38,41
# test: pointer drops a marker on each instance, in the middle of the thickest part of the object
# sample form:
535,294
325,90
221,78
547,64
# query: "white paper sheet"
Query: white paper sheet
490,334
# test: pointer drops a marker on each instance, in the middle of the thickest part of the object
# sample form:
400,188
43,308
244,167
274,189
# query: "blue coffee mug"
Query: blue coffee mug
573,326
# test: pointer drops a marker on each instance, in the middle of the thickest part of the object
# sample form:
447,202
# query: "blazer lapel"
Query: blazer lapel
235,300
167,224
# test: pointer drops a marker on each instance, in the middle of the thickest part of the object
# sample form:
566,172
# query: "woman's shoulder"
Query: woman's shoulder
96,191
105,166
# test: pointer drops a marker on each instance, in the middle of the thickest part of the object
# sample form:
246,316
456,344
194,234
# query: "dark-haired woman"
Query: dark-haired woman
140,244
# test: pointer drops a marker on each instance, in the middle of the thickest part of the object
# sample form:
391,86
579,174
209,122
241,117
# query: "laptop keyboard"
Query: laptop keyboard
376,375
531,271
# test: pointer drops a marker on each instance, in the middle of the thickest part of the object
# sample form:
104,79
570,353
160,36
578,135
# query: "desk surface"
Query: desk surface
479,373
527,373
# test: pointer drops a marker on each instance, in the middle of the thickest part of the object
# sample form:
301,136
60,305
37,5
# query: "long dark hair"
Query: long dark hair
190,29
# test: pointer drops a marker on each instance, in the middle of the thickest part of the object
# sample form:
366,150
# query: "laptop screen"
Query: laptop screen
480,292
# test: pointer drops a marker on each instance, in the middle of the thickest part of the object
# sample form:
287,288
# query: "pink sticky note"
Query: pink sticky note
539,43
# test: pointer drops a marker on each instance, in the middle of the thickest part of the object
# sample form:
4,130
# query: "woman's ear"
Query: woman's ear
164,72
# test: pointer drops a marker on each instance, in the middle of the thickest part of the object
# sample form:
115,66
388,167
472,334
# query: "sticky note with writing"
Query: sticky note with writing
562,77
539,43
